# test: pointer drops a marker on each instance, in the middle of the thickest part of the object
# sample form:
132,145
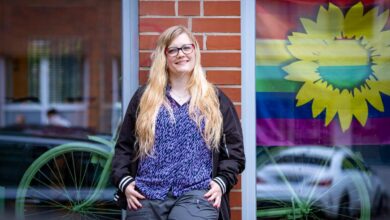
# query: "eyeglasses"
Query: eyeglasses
174,51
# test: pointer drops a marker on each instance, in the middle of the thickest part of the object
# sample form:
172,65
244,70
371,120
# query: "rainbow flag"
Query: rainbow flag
322,72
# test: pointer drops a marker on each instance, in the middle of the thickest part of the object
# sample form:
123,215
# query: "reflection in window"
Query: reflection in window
64,61
66,76
64,55
321,80
22,80
302,159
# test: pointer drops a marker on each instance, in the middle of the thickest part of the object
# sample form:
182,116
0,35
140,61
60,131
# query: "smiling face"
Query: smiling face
181,63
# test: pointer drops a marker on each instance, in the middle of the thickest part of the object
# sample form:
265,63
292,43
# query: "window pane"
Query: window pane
64,55
66,73
22,80
60,71
322,109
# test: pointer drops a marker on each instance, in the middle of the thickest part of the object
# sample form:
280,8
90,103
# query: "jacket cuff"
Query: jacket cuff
125,182
219,180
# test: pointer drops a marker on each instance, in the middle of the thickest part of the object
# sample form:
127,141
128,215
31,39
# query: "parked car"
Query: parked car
20,146
314,180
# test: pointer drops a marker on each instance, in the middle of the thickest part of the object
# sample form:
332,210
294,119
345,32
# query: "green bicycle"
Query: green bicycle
69,182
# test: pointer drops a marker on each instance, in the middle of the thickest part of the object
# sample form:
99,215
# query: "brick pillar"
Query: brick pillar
216,25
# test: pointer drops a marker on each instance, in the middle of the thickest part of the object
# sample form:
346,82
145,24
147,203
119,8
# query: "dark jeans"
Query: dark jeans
190,206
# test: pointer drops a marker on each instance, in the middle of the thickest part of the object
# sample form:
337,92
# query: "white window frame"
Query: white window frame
130,48
248,92
130,65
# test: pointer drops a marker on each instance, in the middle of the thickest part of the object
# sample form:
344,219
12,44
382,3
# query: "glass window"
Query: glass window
60,71
66,73
63,56
11,153
302,159
22,80
322,88
349,164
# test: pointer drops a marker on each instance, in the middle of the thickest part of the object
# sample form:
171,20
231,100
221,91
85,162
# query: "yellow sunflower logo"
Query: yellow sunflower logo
343,62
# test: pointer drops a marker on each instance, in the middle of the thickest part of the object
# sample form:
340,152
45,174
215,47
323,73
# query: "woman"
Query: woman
180,147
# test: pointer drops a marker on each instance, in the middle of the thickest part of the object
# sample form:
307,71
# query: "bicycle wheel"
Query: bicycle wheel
301,183
68,182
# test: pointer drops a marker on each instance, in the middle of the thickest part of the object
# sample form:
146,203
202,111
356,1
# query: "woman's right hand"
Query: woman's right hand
133,197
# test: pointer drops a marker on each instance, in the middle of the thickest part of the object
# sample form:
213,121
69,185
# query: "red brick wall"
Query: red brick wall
216,25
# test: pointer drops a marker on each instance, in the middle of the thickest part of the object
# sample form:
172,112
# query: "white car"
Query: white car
314,180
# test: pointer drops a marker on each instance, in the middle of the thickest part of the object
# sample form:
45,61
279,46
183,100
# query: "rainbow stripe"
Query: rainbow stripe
289,132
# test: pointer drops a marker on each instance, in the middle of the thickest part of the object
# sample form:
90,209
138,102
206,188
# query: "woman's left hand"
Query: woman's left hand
214,194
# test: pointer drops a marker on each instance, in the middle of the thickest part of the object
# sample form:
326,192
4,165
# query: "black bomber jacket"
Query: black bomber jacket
228,162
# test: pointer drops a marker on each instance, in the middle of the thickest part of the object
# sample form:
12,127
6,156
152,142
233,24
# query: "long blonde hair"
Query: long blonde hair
203,106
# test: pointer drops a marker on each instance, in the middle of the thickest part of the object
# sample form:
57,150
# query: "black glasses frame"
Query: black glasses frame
178,50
